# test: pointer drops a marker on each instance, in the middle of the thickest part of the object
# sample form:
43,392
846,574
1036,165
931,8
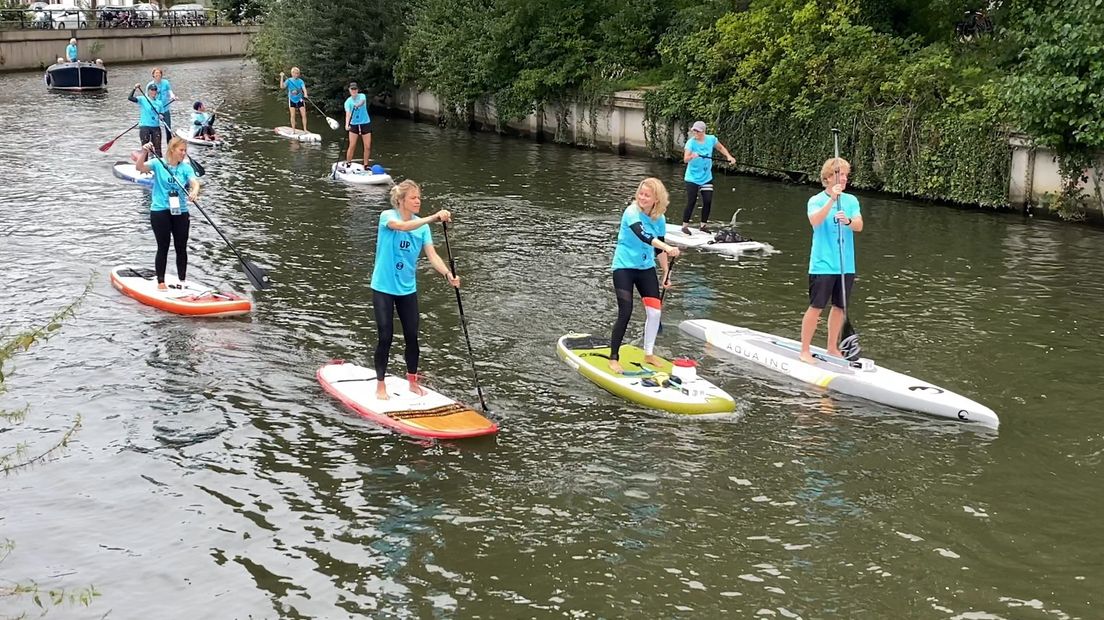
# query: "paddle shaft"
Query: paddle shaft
663,290
463,319
256,276
794,175
328,119
839,230
107,146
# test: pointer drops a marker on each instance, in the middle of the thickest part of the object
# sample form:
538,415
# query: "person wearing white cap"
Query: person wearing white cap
698,155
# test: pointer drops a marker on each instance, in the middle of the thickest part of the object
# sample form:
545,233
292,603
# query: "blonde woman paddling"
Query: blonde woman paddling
639,245
401,237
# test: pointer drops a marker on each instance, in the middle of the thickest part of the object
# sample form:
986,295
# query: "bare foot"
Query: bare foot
615,366
807,357
381,391
412,380
835,352
652,360
161,286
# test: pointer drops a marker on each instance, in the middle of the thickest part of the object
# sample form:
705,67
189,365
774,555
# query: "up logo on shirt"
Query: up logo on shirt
405,244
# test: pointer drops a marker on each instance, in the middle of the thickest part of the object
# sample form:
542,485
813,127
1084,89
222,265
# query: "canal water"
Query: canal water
211,477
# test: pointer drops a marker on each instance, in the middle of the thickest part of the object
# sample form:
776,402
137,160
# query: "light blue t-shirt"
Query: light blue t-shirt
163,184
631,252
824,258
700,171
163,90
71,52
397,254
360,115
295,87
147,116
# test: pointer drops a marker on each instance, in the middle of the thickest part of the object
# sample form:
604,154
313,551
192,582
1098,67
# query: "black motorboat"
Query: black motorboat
79,76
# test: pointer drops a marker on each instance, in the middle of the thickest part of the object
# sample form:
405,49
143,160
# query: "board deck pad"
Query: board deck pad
431,415
647,384
191,299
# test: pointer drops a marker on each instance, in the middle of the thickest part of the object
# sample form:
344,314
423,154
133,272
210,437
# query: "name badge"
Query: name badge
174,203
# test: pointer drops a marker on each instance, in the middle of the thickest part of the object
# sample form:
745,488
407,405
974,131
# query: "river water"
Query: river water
212,478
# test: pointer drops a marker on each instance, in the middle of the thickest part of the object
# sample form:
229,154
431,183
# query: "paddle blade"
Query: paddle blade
332,123
198,168
256,275
849,342
107,147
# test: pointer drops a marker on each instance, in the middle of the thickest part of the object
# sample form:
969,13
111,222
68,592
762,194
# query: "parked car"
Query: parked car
186,15
144,14
66,17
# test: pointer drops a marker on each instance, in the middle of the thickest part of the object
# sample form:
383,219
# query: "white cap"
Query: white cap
698,126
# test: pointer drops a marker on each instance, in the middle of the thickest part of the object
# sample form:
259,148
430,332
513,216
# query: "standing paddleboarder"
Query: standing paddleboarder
149,117
357,123
168,207
698,156
296,96
401,237
165,95
639,242
832,213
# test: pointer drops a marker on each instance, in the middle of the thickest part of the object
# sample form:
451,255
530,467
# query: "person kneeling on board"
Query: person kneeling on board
640,240
826,273
401,237
203,122
168,208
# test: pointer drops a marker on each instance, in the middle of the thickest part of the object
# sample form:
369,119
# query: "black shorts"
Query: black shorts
823,287
296,104
360,130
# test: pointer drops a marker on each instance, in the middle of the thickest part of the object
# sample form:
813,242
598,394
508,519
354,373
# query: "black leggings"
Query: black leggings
166,225
151,134
647,284
692,190
385,306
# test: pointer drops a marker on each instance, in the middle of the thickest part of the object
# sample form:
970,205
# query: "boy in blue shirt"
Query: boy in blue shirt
833,215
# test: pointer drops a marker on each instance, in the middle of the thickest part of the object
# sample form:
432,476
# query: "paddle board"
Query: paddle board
429,415
357,174
192,298
652,386
298,134
862,378
127,171
187,137
704,240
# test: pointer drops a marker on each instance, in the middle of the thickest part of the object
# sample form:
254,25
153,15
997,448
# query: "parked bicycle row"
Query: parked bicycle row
41,15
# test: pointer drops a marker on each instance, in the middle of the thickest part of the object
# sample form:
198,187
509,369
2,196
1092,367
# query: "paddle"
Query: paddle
107,146
794,175
329,121
463,320
195,164
849,339
663,292
256,275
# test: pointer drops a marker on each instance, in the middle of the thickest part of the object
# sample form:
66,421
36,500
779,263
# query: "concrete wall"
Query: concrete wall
1035,173
38,49
616,124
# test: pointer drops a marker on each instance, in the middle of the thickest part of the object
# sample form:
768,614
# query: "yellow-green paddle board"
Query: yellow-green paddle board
651,386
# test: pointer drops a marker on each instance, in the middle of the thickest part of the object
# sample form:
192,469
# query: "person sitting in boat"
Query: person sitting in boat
835,218
203,122
71,50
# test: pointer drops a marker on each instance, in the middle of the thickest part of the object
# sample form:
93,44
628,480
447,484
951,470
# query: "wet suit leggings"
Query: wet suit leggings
385,306
647,284
151,134
167,225
692,190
